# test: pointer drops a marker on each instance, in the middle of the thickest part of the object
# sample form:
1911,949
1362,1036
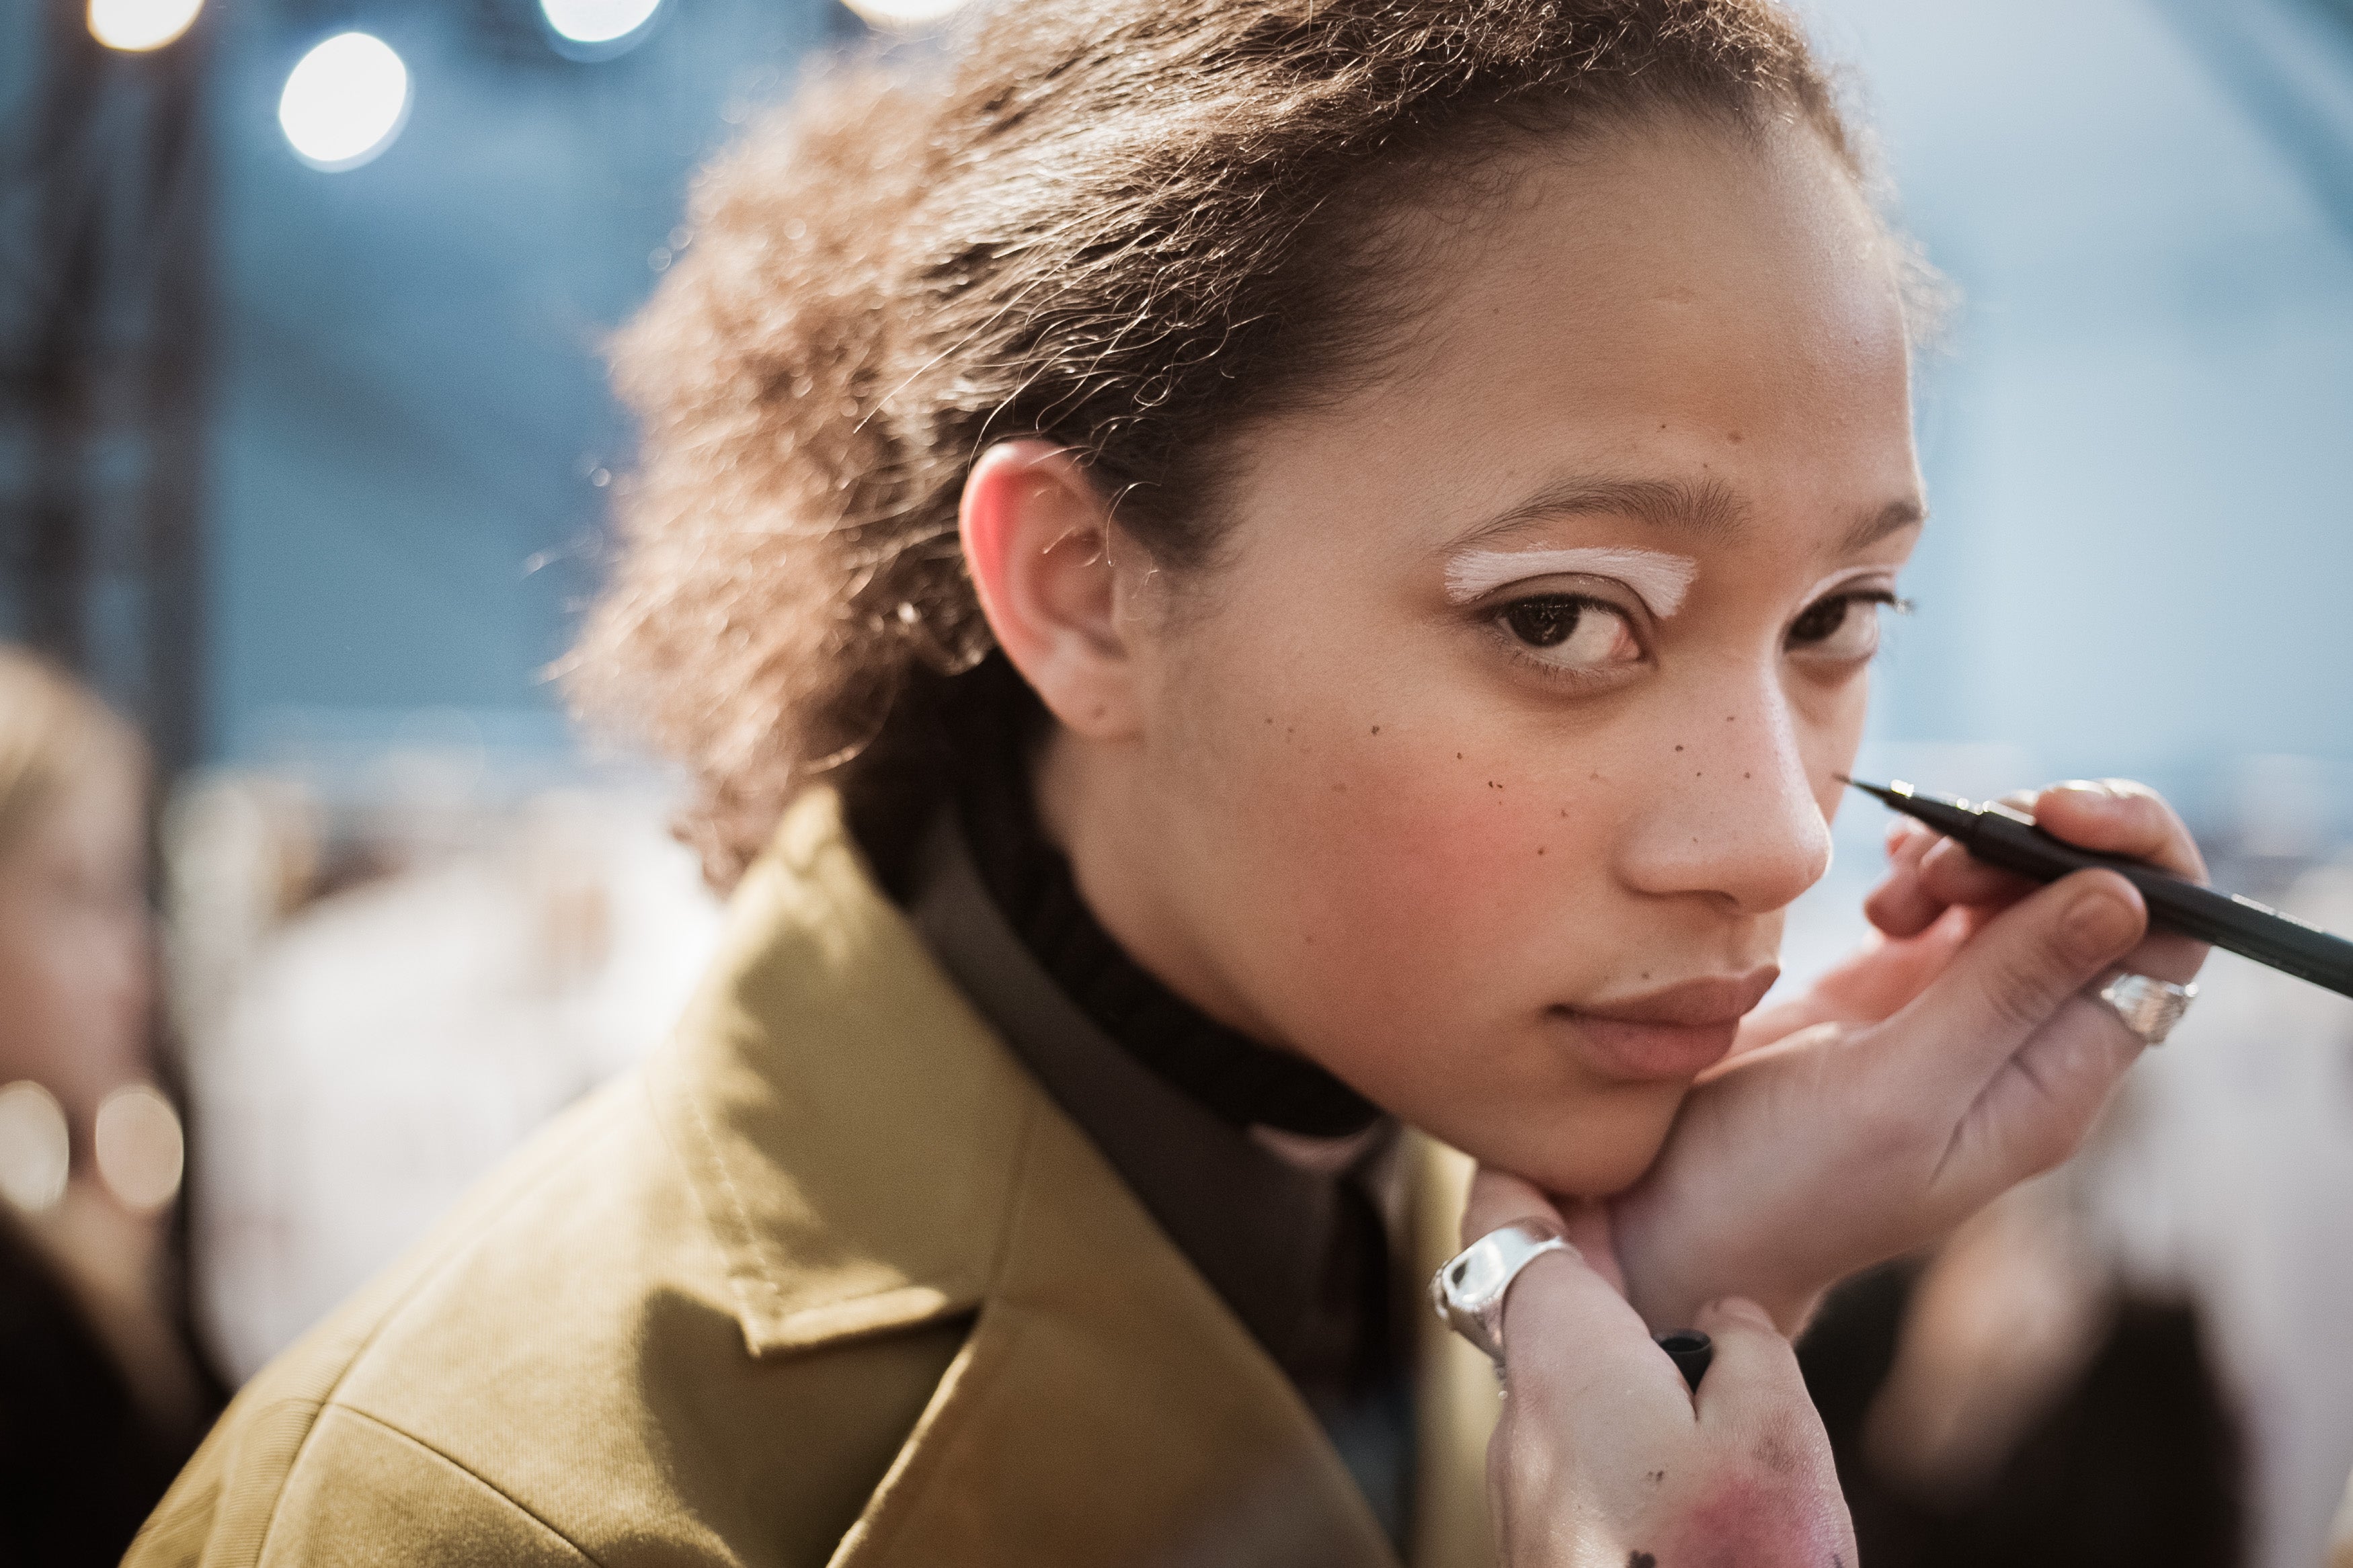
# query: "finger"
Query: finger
2118,816
1951,873
1576,1352
1899,905
1752,1382
2019,968
2041,1104
1753,1402
1498,1198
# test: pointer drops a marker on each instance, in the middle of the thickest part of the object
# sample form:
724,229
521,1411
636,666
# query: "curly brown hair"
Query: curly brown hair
1131,226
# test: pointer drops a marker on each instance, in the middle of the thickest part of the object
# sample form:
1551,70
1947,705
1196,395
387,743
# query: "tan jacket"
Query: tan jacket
830,1280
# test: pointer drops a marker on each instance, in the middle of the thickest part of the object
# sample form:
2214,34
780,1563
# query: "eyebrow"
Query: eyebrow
1894,518
1707,510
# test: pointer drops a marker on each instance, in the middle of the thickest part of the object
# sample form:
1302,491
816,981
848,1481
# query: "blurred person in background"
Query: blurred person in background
101,1397
1239,577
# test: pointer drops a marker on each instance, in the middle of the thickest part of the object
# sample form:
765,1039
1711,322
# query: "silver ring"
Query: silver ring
1468,1291
2149,1006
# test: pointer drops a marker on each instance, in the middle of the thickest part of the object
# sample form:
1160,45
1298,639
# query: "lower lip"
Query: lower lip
1653,1052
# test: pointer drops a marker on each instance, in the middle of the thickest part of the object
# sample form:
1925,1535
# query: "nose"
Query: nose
1734,815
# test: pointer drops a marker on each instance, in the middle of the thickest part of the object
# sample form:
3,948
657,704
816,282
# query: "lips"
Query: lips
1677,1032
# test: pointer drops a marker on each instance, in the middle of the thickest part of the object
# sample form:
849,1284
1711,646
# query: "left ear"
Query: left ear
1037,539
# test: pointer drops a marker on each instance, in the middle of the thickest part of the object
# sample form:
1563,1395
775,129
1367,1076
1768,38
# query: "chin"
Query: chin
1592,1150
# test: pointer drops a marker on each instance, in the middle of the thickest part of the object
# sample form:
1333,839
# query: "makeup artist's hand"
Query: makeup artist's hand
1957,1054
1604,1456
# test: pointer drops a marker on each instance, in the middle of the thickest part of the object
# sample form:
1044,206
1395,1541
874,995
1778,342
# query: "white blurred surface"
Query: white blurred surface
2224,1170
375,1054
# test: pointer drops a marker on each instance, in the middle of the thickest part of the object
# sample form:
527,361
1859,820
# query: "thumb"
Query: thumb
2018,970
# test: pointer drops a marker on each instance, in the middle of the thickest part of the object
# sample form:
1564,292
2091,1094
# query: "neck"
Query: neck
1095,804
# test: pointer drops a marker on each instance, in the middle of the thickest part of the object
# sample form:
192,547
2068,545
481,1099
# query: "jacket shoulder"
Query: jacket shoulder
363,1495
223,1508
559,1373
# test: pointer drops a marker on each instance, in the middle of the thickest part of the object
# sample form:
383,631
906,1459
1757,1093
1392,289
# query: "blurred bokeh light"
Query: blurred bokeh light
598,24
344,101
138,25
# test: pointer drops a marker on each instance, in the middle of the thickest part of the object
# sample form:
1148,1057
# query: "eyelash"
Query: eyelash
1885,596
1497,618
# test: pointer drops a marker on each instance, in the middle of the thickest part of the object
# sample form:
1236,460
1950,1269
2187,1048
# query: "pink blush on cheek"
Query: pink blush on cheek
1446,882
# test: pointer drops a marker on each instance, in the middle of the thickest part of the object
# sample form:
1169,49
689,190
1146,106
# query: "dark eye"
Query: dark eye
1821,620
1570,633
1543,623
1845,626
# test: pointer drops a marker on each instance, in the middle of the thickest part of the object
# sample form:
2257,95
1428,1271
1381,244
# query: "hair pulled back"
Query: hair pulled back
1127,226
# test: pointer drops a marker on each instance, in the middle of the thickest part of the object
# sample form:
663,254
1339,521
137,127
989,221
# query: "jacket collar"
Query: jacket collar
868,1157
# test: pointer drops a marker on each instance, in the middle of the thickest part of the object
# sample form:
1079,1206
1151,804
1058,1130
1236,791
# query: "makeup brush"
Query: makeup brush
2001,836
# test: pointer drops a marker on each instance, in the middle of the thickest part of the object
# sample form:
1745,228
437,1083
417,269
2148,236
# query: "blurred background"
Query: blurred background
305,449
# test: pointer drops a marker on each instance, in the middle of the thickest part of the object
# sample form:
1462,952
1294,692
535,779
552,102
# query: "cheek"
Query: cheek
1427,856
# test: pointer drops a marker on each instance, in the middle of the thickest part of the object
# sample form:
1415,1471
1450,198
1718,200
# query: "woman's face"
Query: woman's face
75,959
1483,767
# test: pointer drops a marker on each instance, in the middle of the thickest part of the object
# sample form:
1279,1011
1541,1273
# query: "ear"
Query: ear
1037,539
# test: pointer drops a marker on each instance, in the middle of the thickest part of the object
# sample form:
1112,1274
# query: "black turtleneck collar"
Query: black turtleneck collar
1245,1083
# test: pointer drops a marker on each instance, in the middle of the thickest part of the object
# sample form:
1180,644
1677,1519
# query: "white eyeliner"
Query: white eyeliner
1662,580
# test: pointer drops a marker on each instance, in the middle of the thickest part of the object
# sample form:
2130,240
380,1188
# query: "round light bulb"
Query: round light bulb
140,1149
903,15
344,101
36,1154
597,21
135,24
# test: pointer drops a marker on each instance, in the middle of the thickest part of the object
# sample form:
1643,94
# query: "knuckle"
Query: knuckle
1892,1129
2018,997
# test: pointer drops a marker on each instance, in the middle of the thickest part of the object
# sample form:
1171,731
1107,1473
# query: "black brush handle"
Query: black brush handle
2246,927
2002,836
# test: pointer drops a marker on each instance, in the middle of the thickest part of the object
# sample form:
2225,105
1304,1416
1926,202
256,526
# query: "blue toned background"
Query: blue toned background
2138,432
413,432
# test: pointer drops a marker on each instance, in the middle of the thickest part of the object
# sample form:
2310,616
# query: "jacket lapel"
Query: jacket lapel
868,1157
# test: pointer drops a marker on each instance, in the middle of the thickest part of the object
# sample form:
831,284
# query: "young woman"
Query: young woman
101,1400
1242,576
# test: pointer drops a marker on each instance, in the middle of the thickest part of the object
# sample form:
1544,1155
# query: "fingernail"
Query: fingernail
2100,923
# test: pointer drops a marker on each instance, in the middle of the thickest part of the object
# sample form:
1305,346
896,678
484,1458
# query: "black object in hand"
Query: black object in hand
2002,836
1691,1351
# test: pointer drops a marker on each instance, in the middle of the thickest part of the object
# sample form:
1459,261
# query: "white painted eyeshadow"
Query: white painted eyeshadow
1660,579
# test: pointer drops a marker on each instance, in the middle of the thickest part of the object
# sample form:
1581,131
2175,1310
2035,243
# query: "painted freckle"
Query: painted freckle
1677,747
